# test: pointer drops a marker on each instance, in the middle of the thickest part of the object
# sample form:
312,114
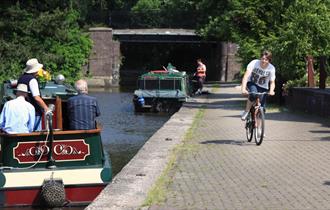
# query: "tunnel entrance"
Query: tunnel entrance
140,58
143,50
119,56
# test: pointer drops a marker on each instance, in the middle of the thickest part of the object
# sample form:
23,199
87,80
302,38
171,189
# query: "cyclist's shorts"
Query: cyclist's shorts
255,88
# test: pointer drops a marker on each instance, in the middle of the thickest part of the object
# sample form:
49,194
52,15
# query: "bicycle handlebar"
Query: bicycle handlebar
258,94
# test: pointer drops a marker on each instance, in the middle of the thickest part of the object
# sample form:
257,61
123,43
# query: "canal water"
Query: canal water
124,131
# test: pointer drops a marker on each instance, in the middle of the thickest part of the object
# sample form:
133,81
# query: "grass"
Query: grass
271,107
158,192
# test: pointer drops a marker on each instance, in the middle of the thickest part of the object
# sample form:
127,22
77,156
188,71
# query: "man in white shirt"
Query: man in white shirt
18,115
259,77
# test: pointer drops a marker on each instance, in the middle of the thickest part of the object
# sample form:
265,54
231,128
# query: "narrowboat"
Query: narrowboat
54,167
161,91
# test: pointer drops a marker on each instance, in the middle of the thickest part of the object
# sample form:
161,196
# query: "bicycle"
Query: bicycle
255,121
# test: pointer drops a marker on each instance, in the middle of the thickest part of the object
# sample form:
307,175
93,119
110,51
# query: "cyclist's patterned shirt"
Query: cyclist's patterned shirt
260,76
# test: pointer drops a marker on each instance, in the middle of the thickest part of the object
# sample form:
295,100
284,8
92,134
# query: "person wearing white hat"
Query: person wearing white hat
18,115
29,79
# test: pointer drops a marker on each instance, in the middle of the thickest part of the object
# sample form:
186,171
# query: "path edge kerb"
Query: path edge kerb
129,188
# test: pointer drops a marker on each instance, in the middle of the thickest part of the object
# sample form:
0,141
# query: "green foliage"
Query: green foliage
290,29
301,82
303,32
146,13
122,4
54,37
164,13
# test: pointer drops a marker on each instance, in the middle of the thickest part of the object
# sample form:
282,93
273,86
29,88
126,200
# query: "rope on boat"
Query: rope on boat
41,154
34,164
53,193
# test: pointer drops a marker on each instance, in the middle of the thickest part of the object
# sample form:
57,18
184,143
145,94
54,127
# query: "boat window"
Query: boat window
151,84
163,84
141,84
170,84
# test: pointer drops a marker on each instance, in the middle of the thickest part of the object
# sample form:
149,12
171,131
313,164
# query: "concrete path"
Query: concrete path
290,170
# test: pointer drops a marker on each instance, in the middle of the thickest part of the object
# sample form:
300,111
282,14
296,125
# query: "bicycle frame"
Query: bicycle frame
256,122
256,108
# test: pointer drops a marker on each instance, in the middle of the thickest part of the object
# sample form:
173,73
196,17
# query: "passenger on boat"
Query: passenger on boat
18,115
29,79
171,68
82,109
200,75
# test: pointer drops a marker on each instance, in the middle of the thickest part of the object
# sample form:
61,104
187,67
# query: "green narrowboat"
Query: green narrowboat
161,91
56,166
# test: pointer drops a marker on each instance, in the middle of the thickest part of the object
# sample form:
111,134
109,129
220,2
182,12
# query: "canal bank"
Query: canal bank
130,186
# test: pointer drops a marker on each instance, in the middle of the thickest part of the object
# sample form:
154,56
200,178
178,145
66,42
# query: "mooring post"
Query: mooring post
310,71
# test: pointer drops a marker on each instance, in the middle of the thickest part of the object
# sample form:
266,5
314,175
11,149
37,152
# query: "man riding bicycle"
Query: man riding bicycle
259,77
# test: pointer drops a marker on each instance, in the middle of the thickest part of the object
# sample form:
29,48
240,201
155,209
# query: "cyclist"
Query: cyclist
259,77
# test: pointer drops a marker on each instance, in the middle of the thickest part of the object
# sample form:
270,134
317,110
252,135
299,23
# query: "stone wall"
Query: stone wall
104,61
229,64
310,100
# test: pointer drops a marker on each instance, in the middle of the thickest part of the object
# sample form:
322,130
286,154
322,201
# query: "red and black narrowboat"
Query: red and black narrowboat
56,166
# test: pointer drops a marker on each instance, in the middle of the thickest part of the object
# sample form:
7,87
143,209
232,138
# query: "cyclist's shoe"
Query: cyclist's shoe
244,115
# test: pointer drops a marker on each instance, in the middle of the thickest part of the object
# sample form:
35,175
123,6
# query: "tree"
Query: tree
146,13
53,36
292,29
304,32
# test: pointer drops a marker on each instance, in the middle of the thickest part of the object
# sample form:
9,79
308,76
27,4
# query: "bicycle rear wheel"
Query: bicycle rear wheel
249,127
260,128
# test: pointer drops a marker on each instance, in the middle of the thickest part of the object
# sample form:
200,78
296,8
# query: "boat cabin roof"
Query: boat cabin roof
51,93
163,74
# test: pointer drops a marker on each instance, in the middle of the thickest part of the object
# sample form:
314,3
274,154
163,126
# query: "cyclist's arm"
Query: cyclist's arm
245,80
272,88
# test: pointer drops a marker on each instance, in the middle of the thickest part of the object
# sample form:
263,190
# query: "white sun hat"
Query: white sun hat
32,66
22,87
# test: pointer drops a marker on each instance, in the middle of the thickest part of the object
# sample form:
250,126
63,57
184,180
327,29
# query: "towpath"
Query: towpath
220,170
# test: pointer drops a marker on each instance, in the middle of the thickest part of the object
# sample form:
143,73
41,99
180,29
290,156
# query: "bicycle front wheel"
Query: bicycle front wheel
249,127
260,127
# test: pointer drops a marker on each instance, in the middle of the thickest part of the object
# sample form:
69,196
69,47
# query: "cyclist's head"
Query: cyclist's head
267,54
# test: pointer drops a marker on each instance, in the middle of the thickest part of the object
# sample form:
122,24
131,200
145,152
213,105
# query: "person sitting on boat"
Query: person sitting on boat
83,109
18,115
29,79
171,68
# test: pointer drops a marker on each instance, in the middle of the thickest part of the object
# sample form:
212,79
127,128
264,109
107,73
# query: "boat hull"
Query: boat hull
75,195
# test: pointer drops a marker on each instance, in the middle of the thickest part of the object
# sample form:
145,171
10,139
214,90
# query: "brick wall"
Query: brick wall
104,60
